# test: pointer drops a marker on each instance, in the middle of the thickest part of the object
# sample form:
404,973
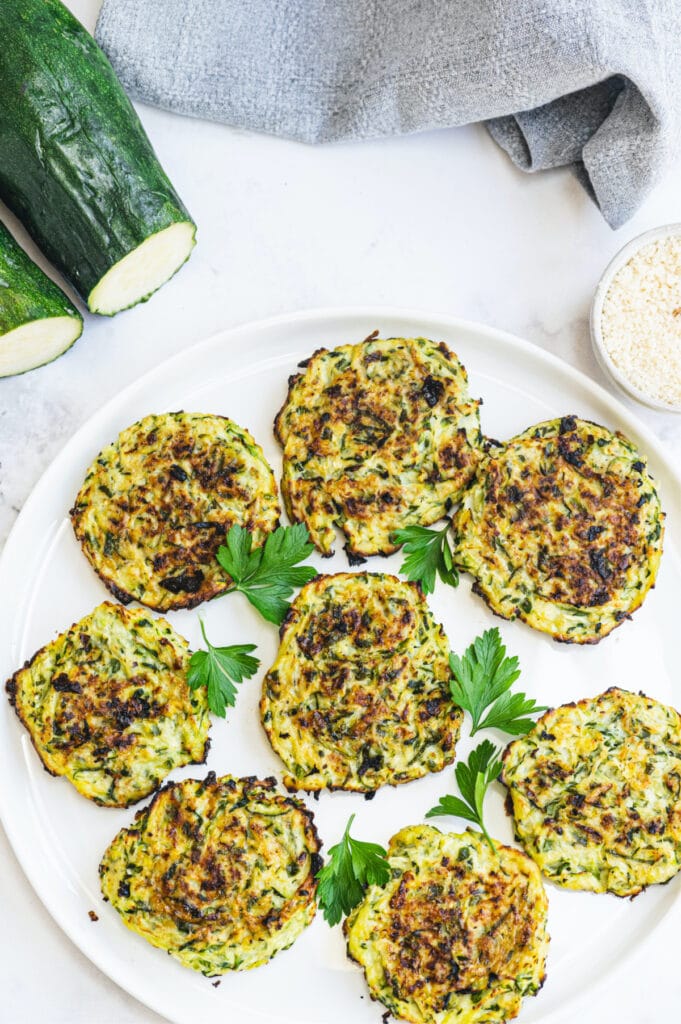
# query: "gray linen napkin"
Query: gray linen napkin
595,84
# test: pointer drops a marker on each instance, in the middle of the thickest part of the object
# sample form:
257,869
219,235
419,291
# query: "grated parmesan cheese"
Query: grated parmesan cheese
641,320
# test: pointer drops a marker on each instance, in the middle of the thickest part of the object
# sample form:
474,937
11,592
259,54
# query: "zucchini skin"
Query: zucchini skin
77,167
26,293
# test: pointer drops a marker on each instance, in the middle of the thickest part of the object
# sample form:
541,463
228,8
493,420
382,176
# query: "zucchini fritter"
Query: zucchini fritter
376,437
220,873
595,793
156,504
107,705
358,696
458,935
562,528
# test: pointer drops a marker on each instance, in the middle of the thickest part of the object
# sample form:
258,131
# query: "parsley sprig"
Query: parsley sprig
352,866
473,778
218,669
481,685
267,575
428,555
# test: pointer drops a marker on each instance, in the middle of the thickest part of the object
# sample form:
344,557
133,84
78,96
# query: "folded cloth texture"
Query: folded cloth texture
593,84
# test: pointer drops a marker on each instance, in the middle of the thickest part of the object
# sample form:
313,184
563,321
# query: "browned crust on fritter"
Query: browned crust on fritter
11,687
619,826
89,706
324,577
365,751
429,931
582,703
589,584
292,381
562,638
308,886
353,496
191,545
459,929
562,518
123,804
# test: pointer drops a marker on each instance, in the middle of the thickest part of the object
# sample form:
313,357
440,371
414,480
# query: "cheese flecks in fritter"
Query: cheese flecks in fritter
156,504
458,936
595,793
220,873
358,696
562,528
376,437
108,706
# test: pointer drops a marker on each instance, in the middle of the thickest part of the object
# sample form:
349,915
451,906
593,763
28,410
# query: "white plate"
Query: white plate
46,584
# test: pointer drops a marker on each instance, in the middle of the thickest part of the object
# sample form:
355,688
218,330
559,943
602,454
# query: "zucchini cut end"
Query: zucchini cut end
37,343
142,272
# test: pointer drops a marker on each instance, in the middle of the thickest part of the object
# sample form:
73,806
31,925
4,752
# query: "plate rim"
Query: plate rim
326,315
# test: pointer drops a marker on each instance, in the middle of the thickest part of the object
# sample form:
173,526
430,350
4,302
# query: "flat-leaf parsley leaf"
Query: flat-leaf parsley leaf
352,866
473,778
218,669
268,575
428,555
481,683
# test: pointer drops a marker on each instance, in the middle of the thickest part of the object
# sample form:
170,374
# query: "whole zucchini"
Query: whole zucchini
37,321
76,166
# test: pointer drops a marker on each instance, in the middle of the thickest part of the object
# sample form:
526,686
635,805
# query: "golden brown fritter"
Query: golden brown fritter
108,706
219,873
376,437
595,792
156,504
358,696
562,527
459,932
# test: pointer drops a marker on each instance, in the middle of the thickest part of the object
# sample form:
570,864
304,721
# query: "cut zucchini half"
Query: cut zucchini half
142,272
77,168
37,321
37,343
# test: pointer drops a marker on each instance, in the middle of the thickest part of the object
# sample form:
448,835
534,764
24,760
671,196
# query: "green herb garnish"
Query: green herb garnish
268,575
352,866
481,683
428,555
473,778
218,669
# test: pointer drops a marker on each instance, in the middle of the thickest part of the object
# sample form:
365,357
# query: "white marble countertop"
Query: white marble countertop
440,221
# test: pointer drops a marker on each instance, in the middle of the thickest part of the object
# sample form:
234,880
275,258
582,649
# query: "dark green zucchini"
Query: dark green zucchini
37,321
76,166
